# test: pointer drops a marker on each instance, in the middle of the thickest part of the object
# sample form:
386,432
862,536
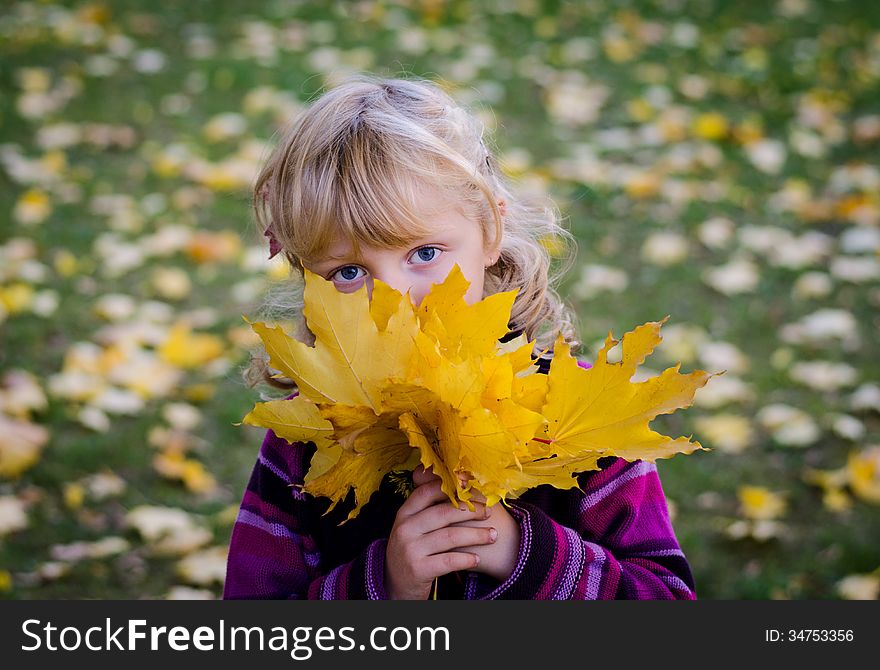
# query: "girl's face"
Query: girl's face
453,239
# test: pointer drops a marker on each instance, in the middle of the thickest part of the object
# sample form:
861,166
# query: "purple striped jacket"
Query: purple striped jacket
610,539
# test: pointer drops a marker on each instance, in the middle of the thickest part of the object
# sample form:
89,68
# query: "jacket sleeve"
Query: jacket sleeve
621,544
272,554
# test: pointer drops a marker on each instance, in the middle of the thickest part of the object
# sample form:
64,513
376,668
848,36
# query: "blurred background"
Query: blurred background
718,163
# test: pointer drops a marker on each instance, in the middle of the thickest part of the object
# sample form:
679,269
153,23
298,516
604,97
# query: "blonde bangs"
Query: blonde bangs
366,192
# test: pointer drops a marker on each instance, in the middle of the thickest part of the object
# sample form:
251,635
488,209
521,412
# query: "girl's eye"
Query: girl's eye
425,254
347,274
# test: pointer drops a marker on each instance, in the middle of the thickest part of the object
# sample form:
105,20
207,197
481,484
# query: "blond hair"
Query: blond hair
353,163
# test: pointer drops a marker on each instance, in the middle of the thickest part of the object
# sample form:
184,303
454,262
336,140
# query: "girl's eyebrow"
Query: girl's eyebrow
435,236
340,257
318,264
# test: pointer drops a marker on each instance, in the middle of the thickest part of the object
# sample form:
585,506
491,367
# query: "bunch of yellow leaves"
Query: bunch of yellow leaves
389,385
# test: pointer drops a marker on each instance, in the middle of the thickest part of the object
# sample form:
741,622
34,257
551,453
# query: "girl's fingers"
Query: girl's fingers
421,498
477,497
446,514
451,561
421,476
445,539
424,496
439,515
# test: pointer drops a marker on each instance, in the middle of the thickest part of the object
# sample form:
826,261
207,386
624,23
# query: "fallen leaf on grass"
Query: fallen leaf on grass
204,567
13,515
168,530
21,444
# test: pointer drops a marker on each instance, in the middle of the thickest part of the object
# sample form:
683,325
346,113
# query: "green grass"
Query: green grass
826,49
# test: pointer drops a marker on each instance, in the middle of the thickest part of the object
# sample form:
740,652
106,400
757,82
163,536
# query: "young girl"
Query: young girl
390,180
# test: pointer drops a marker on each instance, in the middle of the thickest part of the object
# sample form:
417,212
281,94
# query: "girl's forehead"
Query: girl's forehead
338,248
440,221
399,210
430,201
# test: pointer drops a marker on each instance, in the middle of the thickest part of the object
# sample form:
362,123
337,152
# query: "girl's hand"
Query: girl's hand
499,558
428,539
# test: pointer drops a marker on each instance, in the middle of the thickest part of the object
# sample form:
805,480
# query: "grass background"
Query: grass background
758,60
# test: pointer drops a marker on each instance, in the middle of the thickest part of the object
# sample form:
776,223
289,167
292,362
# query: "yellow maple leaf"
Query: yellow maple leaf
462,329
342,367
447,394
600,410
376,451
294,419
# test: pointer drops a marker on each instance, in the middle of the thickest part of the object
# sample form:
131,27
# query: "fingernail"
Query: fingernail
493,534
486,512
463,508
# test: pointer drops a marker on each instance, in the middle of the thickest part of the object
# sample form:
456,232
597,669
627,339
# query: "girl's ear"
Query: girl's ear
492,258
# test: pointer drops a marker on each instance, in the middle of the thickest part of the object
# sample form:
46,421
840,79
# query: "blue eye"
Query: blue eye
426,254
347,274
